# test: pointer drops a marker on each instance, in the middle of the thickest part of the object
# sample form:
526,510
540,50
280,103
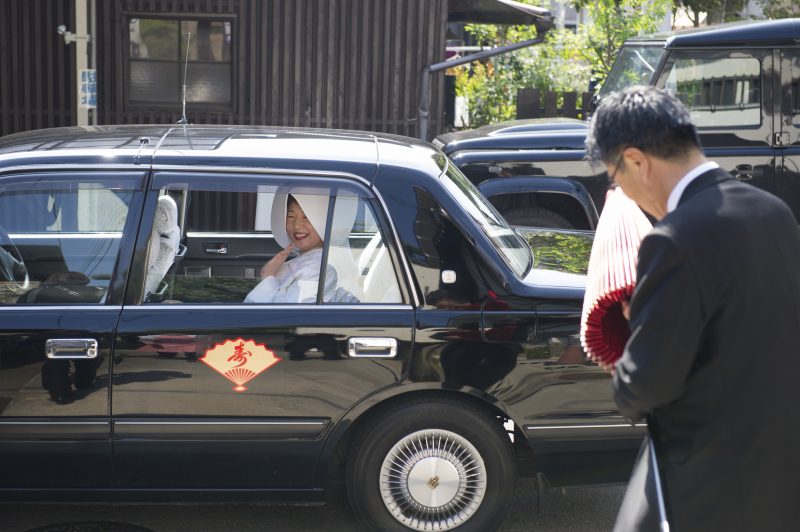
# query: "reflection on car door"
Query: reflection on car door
210,392
56,325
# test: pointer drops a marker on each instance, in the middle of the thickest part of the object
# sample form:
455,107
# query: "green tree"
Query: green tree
614,22
491,86
780,8
716,10
566,62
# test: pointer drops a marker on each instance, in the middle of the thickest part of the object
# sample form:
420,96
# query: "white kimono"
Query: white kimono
297,282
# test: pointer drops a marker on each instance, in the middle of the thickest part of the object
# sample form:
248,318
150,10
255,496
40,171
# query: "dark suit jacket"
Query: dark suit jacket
714,358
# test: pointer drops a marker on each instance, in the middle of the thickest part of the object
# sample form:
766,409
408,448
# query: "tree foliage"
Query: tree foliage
567,61
614,22
491,86
716,10
780,8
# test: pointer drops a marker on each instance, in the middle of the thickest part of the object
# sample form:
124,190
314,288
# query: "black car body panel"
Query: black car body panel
114,389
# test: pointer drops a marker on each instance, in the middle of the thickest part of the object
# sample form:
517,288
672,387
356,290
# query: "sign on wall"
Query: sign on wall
88,96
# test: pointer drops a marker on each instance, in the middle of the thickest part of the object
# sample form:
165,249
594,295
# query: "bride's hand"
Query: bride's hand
270,269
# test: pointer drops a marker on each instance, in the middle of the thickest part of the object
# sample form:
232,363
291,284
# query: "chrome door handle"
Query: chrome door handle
372,347
216,248
66,348
743,172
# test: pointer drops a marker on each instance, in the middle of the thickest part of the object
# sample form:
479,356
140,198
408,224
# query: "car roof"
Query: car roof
749,33
222,146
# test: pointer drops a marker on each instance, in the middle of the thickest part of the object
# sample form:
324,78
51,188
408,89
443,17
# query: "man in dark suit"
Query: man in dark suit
713,360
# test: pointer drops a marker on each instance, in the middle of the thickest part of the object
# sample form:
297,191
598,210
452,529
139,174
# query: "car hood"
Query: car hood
560,257
536,133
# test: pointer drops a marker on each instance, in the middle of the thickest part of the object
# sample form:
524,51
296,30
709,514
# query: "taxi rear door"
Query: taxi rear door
212,392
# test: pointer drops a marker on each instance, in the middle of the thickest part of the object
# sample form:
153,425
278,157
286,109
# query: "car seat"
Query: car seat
164,242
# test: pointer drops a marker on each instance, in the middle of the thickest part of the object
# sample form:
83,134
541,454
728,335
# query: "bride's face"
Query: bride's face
299,229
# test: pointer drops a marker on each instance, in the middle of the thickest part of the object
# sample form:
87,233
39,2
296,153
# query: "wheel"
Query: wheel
12,267
432,466
537,217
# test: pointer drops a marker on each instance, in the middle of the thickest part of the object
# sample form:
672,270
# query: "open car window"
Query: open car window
60,236
217,236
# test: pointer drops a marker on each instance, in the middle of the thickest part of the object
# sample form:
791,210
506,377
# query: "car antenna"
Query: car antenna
183,120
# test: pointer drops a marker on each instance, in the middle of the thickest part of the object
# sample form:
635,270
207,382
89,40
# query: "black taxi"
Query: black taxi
431,355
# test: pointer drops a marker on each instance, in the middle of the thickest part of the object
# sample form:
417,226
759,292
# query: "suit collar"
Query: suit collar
703,181
691,175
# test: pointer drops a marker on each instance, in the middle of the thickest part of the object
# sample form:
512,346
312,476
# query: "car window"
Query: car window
226,242
60,238
511,247
720,89
635,65
448,270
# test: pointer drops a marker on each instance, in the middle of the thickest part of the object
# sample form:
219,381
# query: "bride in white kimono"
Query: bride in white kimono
304,217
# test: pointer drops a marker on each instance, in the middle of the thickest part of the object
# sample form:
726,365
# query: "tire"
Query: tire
436,465
537,217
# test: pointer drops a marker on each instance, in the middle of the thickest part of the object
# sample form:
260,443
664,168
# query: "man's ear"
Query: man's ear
637,161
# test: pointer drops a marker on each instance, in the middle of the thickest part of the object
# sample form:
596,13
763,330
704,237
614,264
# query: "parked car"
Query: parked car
132,369
740,81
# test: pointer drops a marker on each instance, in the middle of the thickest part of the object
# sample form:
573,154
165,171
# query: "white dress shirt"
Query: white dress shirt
677,192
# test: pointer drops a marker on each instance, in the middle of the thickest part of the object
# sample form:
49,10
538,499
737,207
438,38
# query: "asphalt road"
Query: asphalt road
571,510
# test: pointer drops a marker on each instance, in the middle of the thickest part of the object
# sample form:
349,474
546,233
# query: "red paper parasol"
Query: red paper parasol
611,277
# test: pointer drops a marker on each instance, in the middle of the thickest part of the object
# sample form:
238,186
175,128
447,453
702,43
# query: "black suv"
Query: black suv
435,358
741,82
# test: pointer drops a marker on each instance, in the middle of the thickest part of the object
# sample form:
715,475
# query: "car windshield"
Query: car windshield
635,65
512,248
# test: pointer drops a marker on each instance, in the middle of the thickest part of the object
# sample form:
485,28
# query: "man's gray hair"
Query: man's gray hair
642,117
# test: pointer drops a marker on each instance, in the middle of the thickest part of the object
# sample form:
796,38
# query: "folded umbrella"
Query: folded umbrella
611,277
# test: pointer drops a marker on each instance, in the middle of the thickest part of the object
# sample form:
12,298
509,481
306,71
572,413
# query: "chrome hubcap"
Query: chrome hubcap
433,480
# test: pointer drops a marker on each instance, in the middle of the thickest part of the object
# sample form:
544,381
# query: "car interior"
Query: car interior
66,238
219,258
206,247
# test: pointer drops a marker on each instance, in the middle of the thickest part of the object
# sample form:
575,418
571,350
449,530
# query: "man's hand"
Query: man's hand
270,269
626,309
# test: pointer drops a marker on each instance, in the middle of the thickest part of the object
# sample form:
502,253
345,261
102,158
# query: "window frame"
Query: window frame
139,105
765,115
192,177
124,256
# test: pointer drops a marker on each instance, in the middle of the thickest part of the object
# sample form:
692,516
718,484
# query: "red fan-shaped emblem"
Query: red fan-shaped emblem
240,376
611,278
239,360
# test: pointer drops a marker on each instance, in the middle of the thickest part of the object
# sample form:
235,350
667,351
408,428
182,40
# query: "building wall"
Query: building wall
37,69
352,64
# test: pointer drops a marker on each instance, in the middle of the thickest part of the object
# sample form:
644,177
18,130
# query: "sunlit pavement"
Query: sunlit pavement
574,510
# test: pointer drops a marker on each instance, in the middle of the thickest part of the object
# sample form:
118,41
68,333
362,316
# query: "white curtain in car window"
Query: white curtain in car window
340,255
264,199
359,255
100,210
